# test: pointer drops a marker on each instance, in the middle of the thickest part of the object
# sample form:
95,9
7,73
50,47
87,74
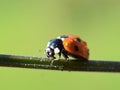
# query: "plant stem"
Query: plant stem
71,65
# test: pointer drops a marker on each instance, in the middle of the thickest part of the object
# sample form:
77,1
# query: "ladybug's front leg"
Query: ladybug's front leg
59,55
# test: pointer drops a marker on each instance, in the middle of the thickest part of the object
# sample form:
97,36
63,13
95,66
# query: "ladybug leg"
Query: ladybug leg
51,63
59,55
51,58
65,56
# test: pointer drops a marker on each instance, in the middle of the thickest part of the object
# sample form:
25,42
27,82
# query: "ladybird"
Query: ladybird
67,45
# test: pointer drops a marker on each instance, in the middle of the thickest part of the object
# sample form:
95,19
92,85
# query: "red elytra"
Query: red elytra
76,47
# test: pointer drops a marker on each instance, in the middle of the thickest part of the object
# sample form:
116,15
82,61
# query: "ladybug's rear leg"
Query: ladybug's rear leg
65,55
59,55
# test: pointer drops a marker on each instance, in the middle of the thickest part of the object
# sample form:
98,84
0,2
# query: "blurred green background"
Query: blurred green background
27,25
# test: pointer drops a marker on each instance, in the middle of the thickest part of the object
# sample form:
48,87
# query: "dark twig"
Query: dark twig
72,65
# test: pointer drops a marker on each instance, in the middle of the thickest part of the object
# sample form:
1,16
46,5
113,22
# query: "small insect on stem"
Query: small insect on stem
67,45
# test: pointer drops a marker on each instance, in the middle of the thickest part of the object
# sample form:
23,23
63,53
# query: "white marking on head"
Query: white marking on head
56,50
48,49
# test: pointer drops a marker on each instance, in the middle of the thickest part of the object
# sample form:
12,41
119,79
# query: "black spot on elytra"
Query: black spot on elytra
76,48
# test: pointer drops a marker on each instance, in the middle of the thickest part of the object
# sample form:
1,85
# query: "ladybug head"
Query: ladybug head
54,46
50,53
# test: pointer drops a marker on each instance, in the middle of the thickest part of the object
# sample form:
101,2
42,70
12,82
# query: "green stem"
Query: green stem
71,65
